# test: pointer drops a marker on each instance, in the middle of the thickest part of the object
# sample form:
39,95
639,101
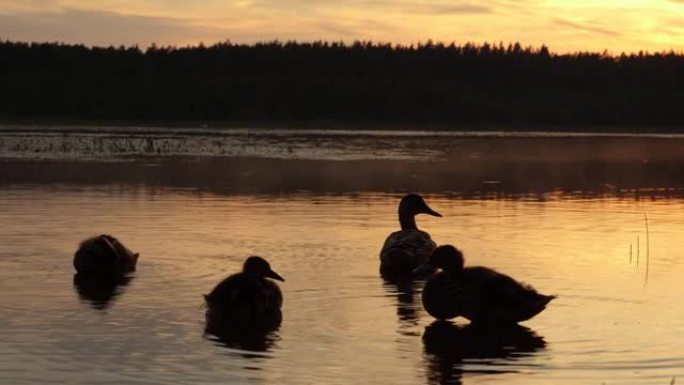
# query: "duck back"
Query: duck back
482,295
405,250
244,299
104,255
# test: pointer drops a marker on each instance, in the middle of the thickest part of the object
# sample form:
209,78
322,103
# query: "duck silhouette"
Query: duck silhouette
104,255
248,299
406,249
479,294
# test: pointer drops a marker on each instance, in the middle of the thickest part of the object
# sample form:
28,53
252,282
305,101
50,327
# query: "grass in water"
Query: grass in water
648,250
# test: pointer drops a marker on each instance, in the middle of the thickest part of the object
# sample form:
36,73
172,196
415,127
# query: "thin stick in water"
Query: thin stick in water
647,248
637,250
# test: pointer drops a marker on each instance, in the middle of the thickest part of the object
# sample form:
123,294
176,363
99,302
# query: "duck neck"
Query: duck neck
407,221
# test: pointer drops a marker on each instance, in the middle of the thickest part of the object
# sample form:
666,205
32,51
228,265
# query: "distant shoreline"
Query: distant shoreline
328,127
335,86
99,142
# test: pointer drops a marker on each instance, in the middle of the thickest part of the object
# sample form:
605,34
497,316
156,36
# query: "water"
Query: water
565,224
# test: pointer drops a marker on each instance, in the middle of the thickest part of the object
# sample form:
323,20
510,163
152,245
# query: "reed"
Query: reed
637,256
648,250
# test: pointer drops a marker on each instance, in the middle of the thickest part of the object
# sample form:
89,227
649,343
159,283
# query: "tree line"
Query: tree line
427,84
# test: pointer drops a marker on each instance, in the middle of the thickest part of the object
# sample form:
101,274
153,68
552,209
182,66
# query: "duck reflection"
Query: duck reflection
99,291
259,337
447,345
406,291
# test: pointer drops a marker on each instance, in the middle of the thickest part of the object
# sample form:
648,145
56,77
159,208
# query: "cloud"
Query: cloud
446,9
585,28
433,7
97,28
372,6
565,26
14,5
359,29
256,20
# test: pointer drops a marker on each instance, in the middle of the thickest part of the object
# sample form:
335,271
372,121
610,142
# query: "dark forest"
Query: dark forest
425,85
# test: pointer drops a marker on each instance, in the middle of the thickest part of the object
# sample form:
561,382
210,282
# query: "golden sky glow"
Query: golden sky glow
615,25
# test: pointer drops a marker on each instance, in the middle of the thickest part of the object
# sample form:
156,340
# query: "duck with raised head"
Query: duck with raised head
406,249
104,255
248,298
480,294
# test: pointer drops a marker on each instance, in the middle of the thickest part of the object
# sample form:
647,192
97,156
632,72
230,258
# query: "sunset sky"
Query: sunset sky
615,25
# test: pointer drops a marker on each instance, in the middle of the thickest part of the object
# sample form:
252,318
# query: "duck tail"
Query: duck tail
535,306
545,299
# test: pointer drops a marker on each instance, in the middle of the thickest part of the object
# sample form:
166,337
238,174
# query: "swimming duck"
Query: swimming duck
104,255
404,250
479,294
247,298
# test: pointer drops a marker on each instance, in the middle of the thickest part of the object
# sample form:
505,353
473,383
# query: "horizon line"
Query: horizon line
350,43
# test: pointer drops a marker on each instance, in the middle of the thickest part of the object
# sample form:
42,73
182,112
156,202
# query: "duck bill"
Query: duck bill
424,269
273,275
432,212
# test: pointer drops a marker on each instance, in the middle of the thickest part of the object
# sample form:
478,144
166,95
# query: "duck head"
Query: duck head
410,206
258,267
447,258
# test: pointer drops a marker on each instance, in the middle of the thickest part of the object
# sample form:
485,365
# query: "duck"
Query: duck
104,255
479,294
406,249
249,298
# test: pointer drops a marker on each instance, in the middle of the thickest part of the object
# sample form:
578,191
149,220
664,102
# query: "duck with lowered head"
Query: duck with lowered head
480,294
104,255
407,248
248,298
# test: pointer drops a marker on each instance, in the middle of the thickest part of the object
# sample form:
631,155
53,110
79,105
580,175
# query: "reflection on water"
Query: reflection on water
242,338
448,346
100,290
567,229
407,294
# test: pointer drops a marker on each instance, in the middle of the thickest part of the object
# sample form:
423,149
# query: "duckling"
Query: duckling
479,294
104,255
247,298
404,250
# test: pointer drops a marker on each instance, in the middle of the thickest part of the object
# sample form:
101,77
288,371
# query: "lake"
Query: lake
596,219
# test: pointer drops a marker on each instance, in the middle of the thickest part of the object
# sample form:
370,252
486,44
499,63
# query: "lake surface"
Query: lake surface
596,220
